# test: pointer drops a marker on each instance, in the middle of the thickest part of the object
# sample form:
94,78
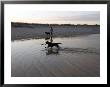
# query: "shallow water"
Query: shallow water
77,56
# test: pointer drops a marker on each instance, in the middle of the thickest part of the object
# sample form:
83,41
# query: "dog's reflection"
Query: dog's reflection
52,51
47,38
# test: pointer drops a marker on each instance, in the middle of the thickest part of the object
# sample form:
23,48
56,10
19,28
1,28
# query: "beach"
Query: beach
78,54
28,31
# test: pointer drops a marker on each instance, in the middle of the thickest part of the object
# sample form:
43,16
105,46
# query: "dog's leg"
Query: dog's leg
57,46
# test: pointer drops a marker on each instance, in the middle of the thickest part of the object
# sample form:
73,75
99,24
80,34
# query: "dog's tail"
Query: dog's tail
59,43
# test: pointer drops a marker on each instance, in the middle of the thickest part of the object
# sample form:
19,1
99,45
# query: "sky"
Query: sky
33,15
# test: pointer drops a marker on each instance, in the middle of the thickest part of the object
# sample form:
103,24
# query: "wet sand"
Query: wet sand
77,57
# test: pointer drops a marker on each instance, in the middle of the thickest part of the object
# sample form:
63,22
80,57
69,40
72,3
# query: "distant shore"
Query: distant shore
26,31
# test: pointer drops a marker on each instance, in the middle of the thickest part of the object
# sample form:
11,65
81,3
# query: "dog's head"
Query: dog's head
46,42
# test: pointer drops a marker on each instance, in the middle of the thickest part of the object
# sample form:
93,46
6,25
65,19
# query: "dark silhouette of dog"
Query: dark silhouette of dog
52,44
47,33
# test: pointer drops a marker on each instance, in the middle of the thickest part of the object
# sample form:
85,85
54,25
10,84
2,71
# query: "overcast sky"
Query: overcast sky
32,15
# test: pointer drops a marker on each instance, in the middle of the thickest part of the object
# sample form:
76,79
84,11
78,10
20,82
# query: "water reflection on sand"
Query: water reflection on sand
77,56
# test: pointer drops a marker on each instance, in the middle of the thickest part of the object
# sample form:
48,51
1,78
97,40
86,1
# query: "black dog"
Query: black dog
52,44
47,33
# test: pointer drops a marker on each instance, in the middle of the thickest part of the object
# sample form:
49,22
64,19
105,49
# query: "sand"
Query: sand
38,31
78,56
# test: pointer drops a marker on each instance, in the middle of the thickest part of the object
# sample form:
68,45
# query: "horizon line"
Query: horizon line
55,23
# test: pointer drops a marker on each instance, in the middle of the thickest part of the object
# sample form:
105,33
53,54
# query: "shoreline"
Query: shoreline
24,39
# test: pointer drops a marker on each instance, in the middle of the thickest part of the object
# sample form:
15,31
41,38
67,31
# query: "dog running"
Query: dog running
52,44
